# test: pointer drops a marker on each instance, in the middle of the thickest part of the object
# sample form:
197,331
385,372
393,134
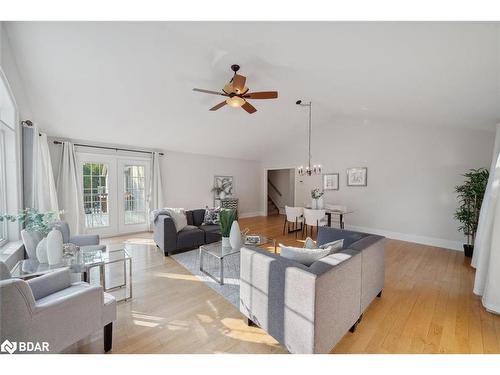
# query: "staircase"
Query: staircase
271,207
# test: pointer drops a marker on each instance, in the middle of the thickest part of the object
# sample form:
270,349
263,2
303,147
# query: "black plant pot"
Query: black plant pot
468,250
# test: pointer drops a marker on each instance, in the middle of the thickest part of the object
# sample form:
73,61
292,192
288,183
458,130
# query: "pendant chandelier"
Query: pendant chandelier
309,169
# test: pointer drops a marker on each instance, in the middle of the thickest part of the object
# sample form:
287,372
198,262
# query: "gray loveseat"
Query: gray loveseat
309,309
195,234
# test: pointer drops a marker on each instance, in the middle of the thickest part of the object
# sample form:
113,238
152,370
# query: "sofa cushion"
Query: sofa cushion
212,233
334,246
189,217
198,216
190,237
303,255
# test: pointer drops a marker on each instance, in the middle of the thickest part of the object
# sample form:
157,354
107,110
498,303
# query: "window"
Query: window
95,195
9,173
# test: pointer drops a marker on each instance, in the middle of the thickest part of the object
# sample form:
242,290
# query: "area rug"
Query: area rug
231,288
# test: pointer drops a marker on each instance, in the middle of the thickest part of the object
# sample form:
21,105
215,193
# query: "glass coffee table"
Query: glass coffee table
83,264
218,252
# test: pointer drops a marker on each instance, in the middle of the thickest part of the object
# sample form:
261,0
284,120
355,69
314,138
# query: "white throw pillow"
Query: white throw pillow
309,243
178,215
303,255
334,245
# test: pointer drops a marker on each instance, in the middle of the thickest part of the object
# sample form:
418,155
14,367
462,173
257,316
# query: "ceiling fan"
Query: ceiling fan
237,93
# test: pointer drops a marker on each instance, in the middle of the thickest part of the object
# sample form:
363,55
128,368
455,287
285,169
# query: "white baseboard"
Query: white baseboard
251,214
430,241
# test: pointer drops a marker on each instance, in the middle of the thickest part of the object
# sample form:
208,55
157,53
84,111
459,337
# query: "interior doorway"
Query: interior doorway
280,190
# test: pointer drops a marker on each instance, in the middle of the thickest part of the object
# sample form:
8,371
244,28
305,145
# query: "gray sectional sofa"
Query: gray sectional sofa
191,237
309,309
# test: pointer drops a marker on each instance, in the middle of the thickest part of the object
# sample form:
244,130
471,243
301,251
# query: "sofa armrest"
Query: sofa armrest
83,298
165,234
278,295
85,239
50,283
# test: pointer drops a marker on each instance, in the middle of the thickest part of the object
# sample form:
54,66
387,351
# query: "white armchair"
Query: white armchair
294,215
51,309
314,218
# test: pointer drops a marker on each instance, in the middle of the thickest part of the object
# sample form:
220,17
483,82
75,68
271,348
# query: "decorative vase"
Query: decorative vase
30,241
320,204
222,195
54,247
41,251
314,204
225,242
235,235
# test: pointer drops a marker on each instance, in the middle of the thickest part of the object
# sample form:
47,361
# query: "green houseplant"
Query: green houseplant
470,198
226,218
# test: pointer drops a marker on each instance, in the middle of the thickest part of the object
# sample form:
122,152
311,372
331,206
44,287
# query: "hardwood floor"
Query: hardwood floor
427,307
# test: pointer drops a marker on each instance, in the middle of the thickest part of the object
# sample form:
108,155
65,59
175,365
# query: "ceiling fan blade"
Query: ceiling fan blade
210,92
220,105
262,95
248,107
239,82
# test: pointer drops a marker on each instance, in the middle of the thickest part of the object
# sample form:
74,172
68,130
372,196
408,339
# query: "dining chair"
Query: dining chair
314,218
295,216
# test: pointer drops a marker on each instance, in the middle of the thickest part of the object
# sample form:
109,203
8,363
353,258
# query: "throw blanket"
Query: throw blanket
177,214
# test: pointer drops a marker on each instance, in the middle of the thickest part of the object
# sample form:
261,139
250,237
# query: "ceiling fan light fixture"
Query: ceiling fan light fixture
235,101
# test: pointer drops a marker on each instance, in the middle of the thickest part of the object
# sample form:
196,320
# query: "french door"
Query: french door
114,193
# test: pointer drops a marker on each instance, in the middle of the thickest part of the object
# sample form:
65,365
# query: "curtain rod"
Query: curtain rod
109,148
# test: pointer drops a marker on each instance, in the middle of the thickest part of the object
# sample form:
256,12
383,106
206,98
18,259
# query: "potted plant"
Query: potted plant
317,199
36,226
470,198
226,218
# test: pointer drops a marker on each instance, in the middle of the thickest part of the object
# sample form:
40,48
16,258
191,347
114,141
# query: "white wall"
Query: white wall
284,180
188,178
412,173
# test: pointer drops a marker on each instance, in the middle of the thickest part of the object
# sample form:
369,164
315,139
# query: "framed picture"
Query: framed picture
357,176
223,186
331,181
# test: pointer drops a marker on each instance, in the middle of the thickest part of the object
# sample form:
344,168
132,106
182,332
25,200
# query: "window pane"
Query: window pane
133,196
95,195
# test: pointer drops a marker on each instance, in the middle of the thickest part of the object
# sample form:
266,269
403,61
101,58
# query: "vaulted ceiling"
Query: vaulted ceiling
130,82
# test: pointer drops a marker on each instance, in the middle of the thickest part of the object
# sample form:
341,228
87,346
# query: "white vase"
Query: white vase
235,235
314,204
30,241
54,247
320,204
222,195
41,251
225,242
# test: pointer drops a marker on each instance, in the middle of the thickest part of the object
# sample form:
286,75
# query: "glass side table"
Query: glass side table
216,250
83,263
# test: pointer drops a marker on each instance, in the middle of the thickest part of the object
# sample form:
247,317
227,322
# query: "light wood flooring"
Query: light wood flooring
427,307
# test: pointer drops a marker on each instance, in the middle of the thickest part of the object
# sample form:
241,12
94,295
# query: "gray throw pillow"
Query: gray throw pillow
334,245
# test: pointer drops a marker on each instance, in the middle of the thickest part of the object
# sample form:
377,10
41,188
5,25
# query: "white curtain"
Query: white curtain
69,189
39,185
45,193
156,193
486,258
